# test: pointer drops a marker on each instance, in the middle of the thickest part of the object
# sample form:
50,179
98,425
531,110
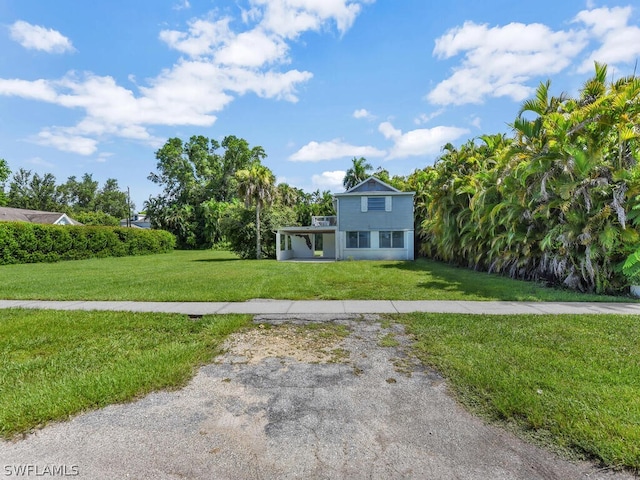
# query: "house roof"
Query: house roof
373,186
9,214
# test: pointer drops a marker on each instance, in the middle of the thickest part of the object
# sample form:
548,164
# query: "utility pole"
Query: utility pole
128,208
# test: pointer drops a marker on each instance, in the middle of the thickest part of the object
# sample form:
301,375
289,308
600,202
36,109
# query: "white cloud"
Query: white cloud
202,37
331,180
499,61
218,64
184,5
289,18
35,37
67,142
363,113
253,49
331,150
423,141
42,90
103,157
40,162
620,42
425,118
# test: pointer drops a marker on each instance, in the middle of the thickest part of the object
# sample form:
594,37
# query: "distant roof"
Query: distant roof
9,214
373,185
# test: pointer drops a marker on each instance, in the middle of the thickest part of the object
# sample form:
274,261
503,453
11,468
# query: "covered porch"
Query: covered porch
306,243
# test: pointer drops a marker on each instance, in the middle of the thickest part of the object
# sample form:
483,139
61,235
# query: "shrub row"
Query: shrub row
22,242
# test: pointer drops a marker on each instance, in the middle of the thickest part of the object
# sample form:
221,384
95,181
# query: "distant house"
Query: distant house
137,221
8,214
373,221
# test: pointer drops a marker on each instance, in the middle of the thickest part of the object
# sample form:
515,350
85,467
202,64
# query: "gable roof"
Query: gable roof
9,214
373,186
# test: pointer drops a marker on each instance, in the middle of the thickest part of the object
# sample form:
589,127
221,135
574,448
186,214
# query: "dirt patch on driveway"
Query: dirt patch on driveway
273,407
317,343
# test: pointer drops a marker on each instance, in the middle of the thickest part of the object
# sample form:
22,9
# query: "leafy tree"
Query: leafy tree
112,201
79,196
192,175
397,181
256,185
4,174
359,171
287,195
315,204
33,191
239,228
237,156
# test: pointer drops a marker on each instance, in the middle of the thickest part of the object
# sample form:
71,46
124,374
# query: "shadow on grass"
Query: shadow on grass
443,277
488,286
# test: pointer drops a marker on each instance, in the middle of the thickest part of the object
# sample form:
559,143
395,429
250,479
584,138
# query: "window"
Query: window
358,240
375,204
391,239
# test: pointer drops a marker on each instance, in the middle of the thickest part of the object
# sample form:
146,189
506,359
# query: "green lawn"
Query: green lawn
569,380
221,276
54,364
573,381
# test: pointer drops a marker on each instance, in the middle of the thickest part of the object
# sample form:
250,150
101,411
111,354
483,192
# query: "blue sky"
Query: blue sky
97,87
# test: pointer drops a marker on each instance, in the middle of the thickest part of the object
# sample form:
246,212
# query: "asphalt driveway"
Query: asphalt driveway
278,405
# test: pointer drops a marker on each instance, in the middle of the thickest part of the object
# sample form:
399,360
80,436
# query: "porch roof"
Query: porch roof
307,230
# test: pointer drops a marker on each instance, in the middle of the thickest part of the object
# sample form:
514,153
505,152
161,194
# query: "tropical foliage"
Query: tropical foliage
240,232
197,181
78,198
256,185
204,183
360,170
559,200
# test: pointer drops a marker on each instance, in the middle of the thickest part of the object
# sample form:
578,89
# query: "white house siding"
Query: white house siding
328,245
299,245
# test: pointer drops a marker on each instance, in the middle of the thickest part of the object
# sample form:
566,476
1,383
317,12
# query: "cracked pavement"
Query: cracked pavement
373,413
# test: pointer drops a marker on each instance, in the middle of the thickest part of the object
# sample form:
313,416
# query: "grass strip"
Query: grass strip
220,276
54,364
573,380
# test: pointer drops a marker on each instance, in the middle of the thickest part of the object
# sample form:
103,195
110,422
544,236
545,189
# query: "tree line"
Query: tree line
83,199
220,193
559,200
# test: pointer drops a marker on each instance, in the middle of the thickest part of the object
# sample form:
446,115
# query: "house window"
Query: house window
358,240
391,239
375,204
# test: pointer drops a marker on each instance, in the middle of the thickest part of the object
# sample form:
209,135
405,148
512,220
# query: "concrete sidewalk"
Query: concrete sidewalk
298,307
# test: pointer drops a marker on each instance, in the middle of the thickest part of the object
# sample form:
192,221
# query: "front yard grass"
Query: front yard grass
54,364
569,381
572,381
220,276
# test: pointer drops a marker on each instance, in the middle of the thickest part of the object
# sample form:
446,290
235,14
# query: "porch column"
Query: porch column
278,245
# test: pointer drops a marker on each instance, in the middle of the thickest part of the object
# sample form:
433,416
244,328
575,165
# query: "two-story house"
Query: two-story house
373,221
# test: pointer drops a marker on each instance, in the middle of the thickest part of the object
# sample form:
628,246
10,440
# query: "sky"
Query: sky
99,86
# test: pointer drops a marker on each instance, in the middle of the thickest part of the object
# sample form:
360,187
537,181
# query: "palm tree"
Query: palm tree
287,195
358,172
256,185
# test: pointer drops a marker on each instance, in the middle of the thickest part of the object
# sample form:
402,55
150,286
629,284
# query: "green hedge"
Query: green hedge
22,242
